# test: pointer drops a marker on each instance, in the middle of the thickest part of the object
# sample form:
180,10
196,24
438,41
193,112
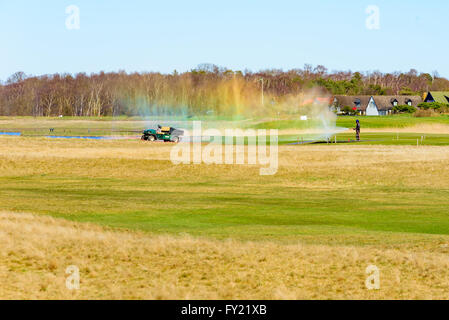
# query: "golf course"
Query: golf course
139,226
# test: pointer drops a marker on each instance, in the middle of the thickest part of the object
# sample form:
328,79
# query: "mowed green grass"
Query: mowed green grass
353,200
374,138
393,121
162,206
391,138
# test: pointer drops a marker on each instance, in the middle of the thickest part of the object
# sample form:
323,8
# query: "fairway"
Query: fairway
392,122
337,208
328,190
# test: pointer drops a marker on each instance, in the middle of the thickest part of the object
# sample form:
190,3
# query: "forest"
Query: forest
207,89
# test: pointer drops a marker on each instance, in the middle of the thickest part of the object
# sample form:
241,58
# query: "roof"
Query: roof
350,101
382,102
386,102
319,100
440,96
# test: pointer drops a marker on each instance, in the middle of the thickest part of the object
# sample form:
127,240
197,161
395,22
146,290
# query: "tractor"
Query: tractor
166,134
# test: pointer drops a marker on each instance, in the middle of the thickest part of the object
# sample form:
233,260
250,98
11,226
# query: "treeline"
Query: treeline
208,89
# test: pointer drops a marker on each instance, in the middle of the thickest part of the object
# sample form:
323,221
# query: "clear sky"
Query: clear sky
166,35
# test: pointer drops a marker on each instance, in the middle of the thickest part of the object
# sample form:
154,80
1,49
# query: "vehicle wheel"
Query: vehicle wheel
175,139
151,138
144,137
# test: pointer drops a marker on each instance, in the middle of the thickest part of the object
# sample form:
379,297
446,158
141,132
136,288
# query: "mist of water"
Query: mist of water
235,104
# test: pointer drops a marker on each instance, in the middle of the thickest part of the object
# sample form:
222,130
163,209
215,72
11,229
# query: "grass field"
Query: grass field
374,138
142,227
36,251
134,125
394,121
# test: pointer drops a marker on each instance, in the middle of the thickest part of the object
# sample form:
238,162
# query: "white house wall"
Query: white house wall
371,109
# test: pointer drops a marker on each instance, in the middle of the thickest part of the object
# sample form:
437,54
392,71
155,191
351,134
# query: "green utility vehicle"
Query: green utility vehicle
167,134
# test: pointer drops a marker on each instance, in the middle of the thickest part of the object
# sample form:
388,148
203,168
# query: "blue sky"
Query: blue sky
166,35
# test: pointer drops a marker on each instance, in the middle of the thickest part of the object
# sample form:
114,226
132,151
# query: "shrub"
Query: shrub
404,109
433,105
348,110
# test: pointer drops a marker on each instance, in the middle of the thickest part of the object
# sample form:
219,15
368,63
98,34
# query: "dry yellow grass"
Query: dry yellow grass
330,165
36,251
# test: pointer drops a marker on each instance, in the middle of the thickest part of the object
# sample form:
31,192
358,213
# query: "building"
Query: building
374,105
437,96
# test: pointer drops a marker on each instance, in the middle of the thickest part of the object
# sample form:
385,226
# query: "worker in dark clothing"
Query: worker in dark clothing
357,130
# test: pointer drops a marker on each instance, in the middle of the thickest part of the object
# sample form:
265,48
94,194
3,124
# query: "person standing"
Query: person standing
357,130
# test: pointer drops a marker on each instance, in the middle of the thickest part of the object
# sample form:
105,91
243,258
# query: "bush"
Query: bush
404,109
349,111
433,106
